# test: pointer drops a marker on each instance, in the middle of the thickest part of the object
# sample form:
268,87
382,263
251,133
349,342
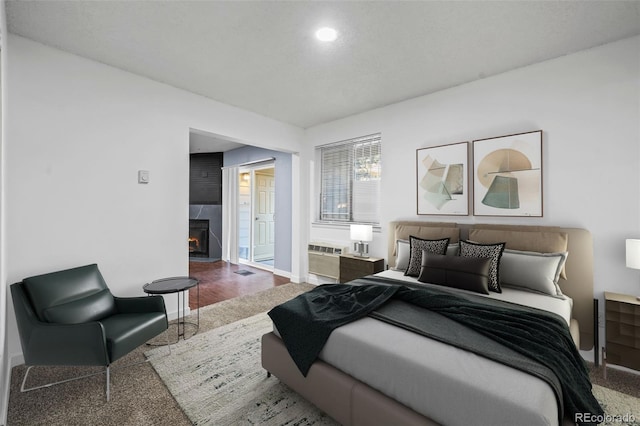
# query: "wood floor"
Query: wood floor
219,281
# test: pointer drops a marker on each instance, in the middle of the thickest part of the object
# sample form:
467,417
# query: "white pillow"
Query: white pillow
403,254
538,272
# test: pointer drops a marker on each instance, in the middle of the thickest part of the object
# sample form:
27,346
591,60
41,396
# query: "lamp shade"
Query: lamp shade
633,254
361,232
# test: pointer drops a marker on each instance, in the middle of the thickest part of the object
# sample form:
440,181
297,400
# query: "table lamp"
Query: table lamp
633,255
362,234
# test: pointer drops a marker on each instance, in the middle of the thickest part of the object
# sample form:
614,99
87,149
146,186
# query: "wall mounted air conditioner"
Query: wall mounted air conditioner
324,259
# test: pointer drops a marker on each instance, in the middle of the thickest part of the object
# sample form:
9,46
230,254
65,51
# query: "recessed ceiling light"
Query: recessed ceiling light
326,34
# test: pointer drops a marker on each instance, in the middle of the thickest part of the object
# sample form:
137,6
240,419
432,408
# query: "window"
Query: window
350,173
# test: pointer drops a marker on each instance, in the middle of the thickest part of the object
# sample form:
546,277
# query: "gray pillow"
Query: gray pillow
491,251
417,246
403,251
466,273
538,272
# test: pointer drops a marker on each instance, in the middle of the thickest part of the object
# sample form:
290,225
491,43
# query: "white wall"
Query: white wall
4,351
587,104
78,132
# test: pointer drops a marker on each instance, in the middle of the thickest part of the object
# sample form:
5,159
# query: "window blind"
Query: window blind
350,173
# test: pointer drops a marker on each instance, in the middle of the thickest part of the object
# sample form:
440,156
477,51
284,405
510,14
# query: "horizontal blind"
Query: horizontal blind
335,174
366,182
350,173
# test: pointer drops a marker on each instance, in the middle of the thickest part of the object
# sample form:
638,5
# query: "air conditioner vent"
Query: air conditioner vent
324,259
328,249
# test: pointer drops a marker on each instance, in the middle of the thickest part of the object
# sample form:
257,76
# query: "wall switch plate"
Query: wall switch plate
143,176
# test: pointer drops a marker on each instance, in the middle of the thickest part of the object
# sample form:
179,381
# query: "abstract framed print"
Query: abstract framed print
507,175
443,179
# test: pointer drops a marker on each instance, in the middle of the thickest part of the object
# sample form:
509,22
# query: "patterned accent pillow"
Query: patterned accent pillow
491,251
417,246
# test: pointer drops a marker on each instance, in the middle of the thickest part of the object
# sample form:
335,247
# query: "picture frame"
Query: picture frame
507,175
442,179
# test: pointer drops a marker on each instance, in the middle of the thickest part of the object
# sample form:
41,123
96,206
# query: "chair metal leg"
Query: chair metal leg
24,381
108,381
107,371
166,333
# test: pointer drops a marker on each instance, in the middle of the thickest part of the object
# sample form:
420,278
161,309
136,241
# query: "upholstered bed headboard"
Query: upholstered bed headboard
578,284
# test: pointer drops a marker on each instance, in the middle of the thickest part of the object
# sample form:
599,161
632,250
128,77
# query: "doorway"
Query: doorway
256,215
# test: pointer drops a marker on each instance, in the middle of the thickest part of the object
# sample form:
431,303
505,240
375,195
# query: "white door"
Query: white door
264,214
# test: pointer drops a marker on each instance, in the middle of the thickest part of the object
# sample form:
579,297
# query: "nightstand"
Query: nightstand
623,330
352,267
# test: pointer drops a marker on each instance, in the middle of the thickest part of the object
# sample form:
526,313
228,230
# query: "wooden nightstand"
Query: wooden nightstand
352,267
623,330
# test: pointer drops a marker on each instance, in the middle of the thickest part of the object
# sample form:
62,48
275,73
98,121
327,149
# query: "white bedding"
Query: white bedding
436,379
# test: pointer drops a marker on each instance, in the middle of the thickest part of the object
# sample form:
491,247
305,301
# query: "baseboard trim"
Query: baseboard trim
319,280
5,404
296,279
12,361
172,315
4,396
281,273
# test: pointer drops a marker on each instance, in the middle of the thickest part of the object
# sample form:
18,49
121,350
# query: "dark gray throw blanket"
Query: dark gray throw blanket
305,323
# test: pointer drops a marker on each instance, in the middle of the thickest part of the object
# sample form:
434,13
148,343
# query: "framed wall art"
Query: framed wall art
507,175
442,179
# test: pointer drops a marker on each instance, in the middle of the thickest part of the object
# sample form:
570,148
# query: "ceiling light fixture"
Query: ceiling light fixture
326,34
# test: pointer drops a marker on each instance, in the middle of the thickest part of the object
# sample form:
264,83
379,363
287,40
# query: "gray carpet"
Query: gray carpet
139,396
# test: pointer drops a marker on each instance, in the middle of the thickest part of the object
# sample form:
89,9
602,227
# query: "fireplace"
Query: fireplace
198,238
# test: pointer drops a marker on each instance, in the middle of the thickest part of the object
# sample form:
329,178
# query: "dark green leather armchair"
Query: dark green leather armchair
71,318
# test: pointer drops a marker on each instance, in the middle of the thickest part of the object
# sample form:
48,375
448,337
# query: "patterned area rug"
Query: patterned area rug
621,409
217,379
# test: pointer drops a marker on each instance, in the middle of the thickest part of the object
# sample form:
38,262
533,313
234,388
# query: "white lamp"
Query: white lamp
362,234
633,254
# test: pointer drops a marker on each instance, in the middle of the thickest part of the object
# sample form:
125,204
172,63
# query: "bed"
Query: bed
416,389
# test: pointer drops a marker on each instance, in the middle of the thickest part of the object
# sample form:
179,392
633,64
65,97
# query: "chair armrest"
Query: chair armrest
66,344
138,305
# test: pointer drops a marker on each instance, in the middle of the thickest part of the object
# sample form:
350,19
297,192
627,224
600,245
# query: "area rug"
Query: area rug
217,379
621,409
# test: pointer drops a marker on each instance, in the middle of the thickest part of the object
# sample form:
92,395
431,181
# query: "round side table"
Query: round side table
177,285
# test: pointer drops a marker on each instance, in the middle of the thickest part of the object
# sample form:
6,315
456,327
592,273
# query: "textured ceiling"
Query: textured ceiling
262,56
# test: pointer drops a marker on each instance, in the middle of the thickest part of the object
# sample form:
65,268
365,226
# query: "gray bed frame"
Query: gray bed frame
351,402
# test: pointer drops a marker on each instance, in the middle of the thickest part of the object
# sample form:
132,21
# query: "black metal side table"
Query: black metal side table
177,285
